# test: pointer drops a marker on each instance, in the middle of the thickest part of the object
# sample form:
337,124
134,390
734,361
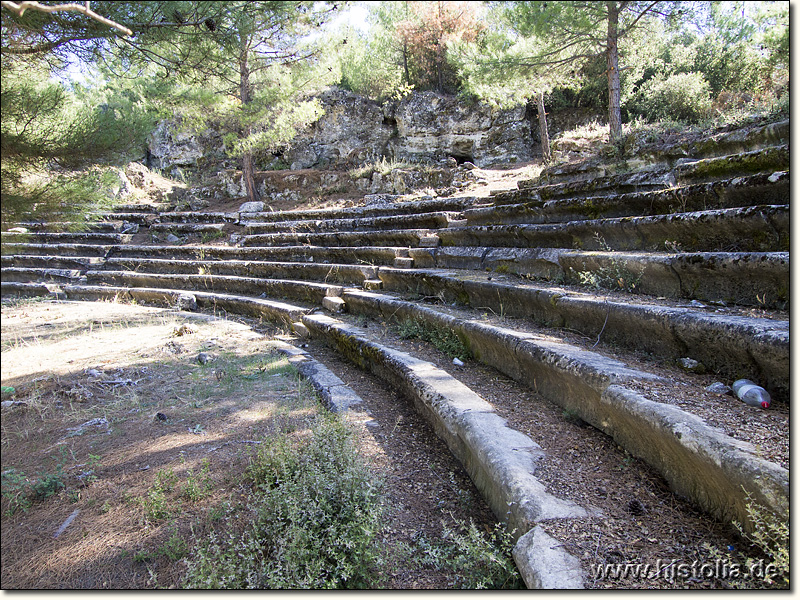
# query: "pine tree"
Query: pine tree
577,32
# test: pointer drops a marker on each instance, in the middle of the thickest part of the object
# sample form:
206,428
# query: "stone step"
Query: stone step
756,279
183,228
734,142
117,226
500,460
725,342
722,144
432,220
304,291
43,237
759,279
34,274
621,183
198,217
719,473
135,208
767,160
80,263
140,218
329,273
750,229
58,249
751,190
389,209
395,237
758,348
363,255
753,279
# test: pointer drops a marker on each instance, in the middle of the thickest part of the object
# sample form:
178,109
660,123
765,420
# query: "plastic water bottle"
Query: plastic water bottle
750,393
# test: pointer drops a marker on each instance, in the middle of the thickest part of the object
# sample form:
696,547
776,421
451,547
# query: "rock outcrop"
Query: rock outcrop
354,131
431,127
173,145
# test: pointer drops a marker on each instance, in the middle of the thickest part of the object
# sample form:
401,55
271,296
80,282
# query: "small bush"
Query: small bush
316,518
198,486
175,548
20,491
47,485
769,538
478,561
683,97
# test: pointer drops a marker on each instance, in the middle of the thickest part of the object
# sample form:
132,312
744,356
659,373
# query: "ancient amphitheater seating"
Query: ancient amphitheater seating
681,254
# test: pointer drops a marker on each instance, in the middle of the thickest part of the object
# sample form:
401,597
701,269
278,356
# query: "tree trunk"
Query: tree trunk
612,60
405,64
248,170
543,133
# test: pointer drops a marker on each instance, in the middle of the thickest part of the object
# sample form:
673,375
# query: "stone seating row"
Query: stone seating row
729,344
688,171
726,143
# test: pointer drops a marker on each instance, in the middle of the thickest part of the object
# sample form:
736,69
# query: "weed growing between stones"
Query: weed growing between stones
615,276
210,236
768,538
383,167
443,339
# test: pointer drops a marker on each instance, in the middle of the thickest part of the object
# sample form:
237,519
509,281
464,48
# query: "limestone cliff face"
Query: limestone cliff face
431,127
172,145
354,131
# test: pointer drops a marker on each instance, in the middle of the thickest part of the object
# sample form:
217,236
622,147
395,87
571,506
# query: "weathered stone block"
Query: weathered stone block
429,241
404,263
333,304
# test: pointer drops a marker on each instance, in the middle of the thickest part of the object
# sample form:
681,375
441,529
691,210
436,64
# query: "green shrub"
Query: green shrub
477,561
316,517
729,66
769,537
47,485
445,340
682,97
20,491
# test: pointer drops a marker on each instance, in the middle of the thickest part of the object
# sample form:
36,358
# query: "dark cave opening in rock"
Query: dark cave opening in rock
462,151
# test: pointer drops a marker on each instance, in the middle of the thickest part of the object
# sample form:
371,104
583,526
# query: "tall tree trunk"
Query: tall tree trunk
405,64
543,133
440,58
612,60
248,170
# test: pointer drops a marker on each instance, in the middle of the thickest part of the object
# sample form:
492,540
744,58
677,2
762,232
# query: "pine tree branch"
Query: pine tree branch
20,9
